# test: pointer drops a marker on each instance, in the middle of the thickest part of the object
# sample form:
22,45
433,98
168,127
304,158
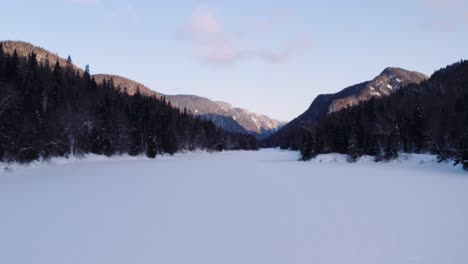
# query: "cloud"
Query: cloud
83,2
214,44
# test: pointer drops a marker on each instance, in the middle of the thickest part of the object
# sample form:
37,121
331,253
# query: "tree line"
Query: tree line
49,110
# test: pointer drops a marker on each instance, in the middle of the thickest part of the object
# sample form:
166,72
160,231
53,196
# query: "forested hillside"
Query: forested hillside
51,109
387,82
430,117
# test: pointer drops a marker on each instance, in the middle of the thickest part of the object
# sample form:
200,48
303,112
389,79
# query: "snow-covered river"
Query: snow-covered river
234,207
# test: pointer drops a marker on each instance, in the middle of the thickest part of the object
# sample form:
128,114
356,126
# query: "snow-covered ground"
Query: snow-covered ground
234,207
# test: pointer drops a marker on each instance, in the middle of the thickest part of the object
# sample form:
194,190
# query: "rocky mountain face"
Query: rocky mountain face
386,83
259,125
389,81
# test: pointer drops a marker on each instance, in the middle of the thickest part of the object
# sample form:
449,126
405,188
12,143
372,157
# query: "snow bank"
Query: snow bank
403,160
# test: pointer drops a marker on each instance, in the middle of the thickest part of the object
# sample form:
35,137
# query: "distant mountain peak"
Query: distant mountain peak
392,70
396,71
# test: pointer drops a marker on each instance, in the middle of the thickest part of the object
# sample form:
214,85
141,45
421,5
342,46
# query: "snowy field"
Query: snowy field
234,207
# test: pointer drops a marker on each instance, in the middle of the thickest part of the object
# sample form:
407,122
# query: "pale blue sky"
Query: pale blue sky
271,57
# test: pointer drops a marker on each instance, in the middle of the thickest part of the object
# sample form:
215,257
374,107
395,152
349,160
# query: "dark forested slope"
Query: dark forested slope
53,109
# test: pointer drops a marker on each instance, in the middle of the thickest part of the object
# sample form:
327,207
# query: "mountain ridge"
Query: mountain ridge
223,114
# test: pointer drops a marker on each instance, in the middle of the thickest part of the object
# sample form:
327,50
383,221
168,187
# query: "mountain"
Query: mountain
223,114
426,117
50,111
259,125
386,83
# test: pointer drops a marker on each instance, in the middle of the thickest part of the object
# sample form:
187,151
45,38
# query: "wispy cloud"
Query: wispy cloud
213,43
83,2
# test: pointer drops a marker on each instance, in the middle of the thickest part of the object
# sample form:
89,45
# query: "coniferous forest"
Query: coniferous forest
431,117
49,110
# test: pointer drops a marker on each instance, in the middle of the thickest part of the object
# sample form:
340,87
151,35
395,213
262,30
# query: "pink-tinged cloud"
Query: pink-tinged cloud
214,44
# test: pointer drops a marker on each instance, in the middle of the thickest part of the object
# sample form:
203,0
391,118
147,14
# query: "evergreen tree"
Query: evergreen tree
307,149
418,127
15,68
69,68
53,92
354,150
87,74
464,151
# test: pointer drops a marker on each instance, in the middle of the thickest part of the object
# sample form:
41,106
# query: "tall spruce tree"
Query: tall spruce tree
87,72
